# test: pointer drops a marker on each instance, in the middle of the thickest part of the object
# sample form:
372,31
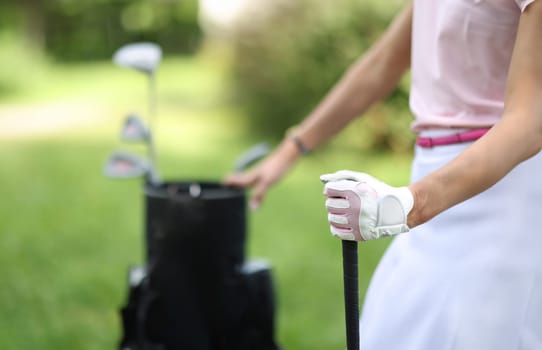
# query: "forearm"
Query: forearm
370,79
475,170
517,137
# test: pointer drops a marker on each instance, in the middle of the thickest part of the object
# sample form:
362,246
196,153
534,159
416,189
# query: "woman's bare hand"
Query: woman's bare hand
266,173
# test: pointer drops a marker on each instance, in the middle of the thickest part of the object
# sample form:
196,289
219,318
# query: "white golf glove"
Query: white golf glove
361,208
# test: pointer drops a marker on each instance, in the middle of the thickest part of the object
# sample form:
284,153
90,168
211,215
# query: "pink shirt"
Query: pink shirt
461,52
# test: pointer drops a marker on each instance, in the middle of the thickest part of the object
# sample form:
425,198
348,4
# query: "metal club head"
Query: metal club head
123,165
134,130
251,156
144,57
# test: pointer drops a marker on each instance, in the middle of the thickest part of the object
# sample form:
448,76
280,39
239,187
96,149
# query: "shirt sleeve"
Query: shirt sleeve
523,4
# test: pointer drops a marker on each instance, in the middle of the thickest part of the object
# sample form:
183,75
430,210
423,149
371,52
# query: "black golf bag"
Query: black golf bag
196,291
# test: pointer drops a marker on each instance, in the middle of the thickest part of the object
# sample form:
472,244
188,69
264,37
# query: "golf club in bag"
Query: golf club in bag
144,58
195,290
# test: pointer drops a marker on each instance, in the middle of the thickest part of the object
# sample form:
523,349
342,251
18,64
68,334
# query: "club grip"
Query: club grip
351,293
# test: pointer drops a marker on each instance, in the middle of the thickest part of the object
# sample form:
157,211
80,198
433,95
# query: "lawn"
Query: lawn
68,235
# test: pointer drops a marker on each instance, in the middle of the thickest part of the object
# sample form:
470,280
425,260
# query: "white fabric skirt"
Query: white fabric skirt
469,279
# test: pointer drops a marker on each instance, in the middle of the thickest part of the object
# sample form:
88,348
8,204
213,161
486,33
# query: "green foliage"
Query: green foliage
20,64
33,33
286,61
98,28
89,29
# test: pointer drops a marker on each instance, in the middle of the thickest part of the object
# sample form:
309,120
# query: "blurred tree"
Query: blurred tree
288,56
91,29
34,32
21,45
34,22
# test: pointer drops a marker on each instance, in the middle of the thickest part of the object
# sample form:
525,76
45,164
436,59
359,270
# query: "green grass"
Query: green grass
68,235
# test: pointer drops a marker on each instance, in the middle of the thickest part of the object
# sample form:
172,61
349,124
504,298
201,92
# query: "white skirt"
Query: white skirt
469,279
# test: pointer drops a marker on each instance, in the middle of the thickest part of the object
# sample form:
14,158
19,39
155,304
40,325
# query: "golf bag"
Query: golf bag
196,291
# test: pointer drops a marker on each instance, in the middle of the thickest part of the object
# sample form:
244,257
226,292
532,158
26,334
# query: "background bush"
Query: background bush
35,33
286,59
78,30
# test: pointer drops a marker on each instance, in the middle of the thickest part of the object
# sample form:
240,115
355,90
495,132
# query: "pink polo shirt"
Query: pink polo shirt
461,52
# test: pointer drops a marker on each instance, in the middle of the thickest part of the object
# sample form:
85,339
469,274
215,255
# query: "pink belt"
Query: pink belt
466,136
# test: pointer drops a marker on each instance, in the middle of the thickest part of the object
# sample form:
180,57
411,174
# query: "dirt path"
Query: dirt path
48,119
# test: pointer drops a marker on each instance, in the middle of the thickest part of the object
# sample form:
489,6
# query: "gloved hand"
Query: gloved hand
361,208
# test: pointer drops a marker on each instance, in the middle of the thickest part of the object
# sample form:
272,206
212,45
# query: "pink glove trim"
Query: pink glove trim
352,213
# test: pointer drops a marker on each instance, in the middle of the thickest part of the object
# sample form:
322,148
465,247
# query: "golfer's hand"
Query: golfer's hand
361,208
263,176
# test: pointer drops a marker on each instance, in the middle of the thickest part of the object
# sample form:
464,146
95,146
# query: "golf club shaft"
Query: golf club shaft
351,293
155,177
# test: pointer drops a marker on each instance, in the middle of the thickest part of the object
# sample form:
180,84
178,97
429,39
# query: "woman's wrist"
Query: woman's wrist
289,150
300,145
293,136
417,215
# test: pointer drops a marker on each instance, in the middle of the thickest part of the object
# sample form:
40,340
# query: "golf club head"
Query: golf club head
123,165
134,130
251,156
144,57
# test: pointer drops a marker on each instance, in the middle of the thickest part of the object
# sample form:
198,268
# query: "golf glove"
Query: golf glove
361,208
